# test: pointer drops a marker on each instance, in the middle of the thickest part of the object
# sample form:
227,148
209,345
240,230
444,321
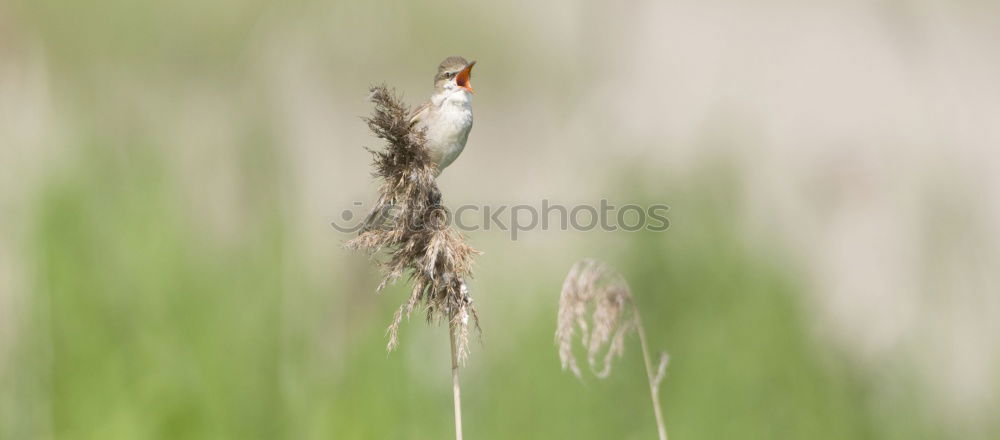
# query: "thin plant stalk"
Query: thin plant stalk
654,385
456,387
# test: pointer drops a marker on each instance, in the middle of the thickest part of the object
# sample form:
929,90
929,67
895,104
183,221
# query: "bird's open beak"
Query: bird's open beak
464,78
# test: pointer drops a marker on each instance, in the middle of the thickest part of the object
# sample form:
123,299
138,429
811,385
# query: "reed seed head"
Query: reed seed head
409,224
593,290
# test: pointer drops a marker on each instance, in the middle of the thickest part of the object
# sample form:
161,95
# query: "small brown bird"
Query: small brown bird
447,116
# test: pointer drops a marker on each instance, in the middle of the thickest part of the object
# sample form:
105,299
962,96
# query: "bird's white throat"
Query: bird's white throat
452,96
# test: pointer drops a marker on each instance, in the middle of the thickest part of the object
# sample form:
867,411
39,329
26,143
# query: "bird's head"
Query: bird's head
453,75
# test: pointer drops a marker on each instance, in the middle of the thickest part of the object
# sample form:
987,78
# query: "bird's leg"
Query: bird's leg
434,198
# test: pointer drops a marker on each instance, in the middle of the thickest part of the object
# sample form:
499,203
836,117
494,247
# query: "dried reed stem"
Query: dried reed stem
591,287
654,378
456,387
409,224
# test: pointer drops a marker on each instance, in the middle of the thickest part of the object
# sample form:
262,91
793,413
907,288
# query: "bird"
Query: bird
446,118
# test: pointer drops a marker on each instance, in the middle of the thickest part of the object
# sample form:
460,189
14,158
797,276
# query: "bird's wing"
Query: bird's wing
419,113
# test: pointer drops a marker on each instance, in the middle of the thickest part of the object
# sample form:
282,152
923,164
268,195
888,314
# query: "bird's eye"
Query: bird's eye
450,75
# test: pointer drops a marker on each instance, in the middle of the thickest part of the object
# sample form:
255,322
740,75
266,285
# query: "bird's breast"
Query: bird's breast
451,123
447,131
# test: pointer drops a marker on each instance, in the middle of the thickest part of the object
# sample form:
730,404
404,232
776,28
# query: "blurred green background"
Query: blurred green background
170,171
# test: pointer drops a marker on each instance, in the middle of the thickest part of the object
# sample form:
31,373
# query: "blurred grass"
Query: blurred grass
151,333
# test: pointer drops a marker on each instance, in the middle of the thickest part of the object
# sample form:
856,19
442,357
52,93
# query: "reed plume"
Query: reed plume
409,226
595,289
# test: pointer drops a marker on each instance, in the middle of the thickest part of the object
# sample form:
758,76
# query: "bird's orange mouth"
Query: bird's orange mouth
464,78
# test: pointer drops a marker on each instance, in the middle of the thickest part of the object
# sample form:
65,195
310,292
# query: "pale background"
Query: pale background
169,170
